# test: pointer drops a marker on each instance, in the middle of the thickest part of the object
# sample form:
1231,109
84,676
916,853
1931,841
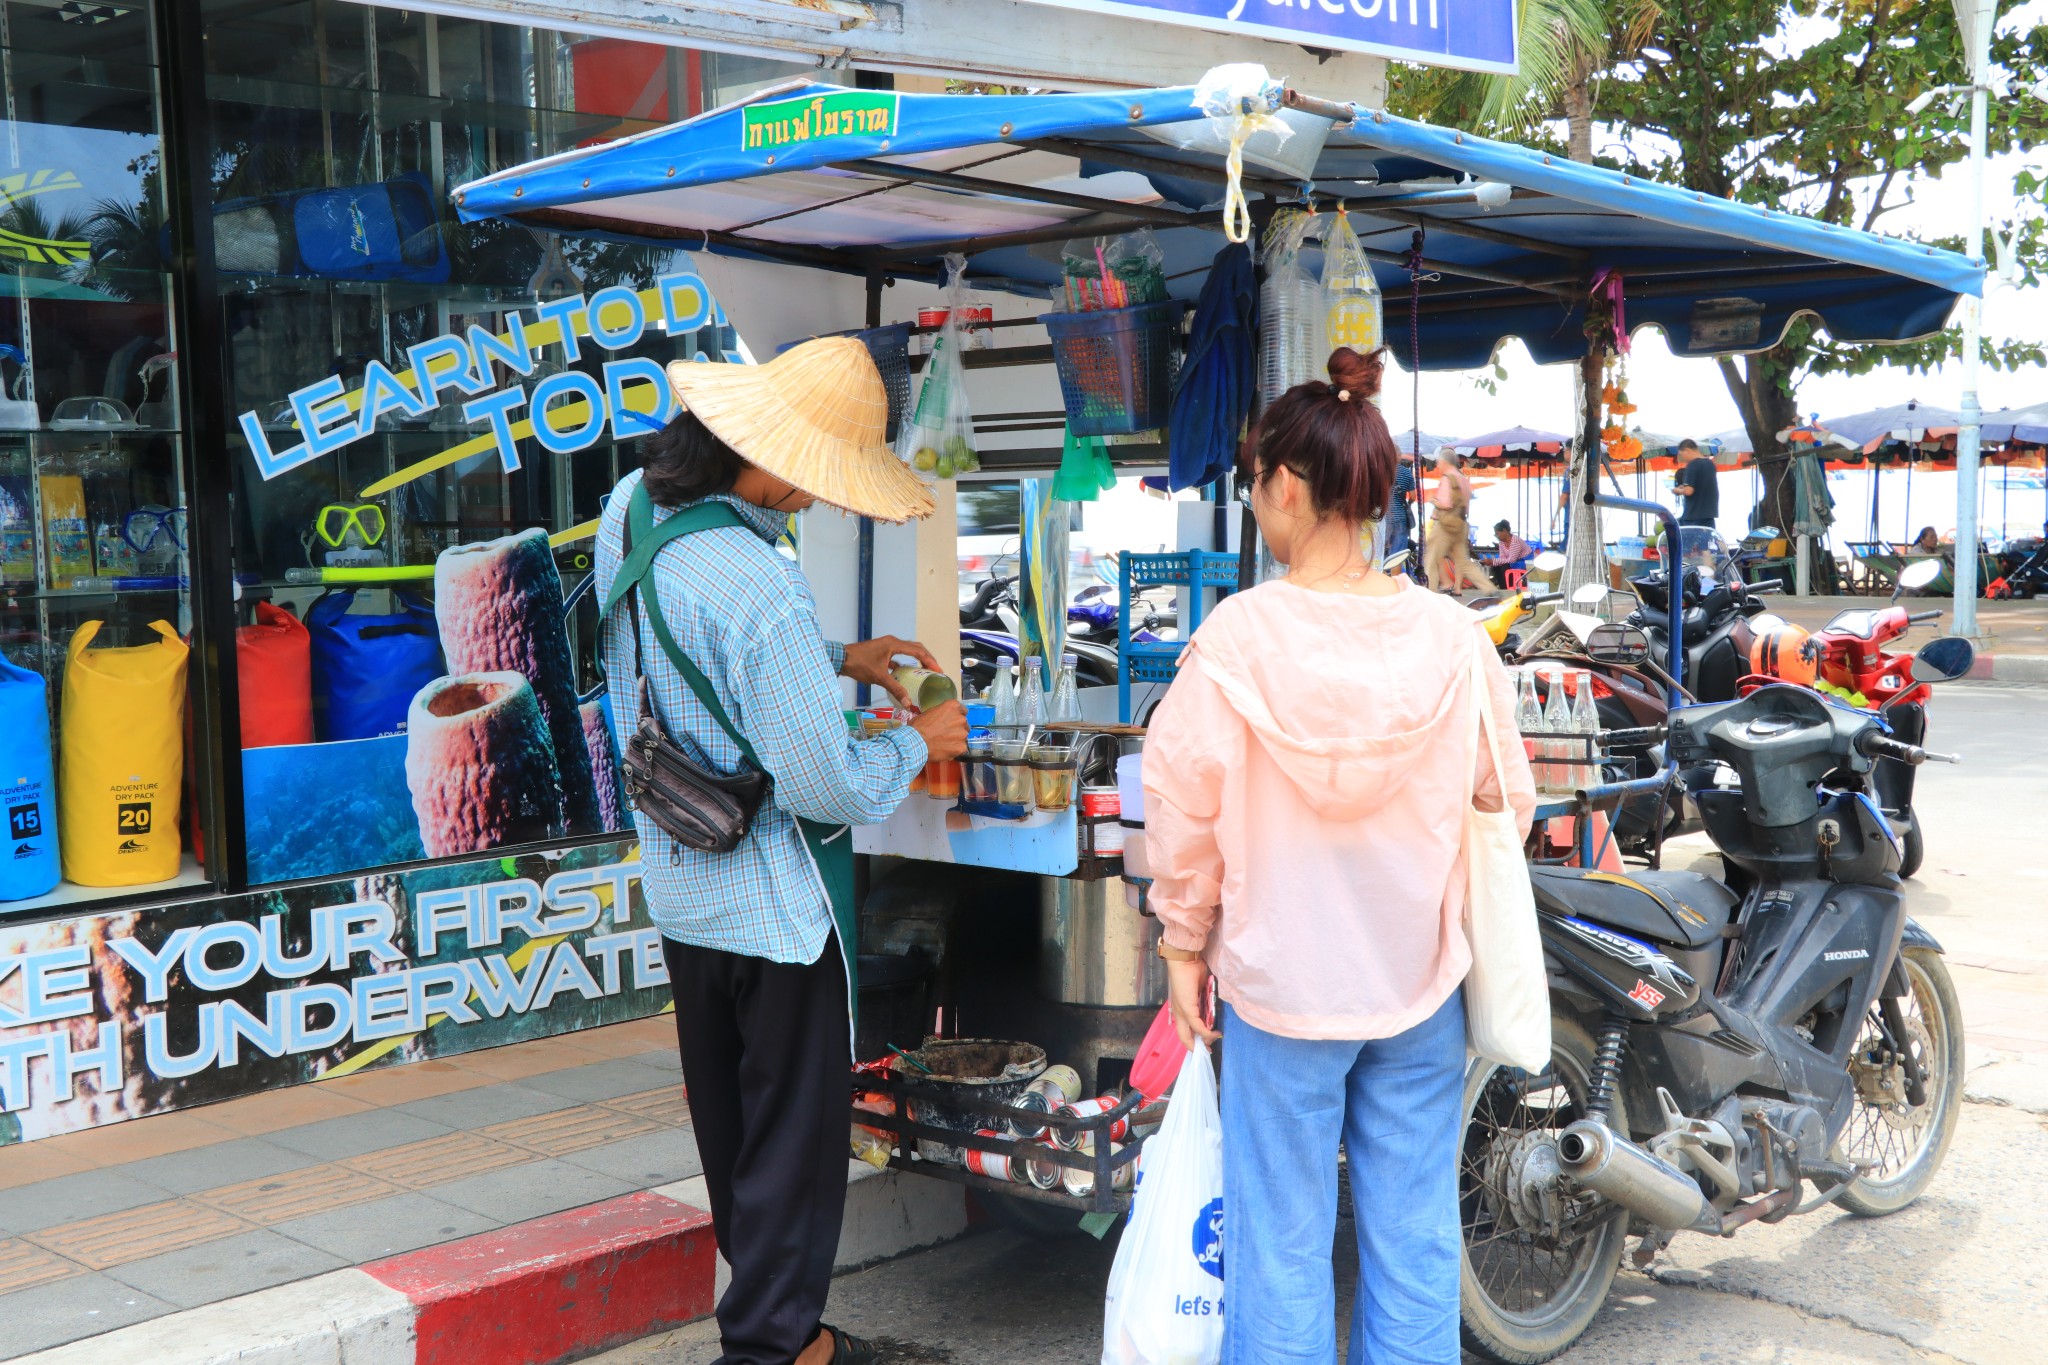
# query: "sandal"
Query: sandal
851,1350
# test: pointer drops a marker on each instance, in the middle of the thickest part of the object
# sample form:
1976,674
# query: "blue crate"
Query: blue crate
1159,661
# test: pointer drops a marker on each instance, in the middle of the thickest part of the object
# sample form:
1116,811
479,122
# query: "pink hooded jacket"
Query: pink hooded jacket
1305,787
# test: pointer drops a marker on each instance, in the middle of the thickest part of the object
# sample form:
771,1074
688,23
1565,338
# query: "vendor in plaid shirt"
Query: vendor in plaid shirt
758,961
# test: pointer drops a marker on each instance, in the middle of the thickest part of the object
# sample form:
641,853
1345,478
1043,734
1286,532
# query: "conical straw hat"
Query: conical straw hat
816,417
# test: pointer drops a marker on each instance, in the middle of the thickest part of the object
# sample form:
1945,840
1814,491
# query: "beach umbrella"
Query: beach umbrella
2027,426
1910,422
1494,445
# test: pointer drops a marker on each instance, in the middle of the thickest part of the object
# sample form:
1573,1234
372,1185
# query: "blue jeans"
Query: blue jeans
1396,1105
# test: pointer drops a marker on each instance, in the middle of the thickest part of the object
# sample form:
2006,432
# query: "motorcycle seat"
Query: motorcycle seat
1686,909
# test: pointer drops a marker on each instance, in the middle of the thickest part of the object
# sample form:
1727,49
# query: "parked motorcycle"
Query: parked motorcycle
1720,614
1718,1045
1850,654
988,633
2022,570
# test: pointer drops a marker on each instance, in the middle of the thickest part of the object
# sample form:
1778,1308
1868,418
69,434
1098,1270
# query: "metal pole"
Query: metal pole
1968,436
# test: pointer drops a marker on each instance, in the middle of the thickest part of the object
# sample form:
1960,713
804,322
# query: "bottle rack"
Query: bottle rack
1157,661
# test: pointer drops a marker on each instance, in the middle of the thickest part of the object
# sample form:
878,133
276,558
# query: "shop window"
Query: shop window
96,614
396,509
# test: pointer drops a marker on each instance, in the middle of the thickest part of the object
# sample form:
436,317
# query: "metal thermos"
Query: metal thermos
1095,948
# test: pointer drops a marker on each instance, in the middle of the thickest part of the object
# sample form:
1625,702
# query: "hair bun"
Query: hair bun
1360,374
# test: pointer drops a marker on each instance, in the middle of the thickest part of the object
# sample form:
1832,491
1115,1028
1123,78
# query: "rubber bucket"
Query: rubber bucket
976,1073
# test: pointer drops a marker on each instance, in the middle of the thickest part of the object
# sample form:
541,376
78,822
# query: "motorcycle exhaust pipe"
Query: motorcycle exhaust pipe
1602,1160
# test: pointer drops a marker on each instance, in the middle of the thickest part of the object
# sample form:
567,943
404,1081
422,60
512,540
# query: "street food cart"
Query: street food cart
1470,241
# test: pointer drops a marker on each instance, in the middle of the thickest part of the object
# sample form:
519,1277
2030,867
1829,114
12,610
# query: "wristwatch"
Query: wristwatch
1173,954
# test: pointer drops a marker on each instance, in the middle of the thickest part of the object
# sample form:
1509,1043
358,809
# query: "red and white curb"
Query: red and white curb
2010,668
552,1289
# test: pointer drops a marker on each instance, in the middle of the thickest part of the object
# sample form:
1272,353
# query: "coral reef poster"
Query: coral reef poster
133,1012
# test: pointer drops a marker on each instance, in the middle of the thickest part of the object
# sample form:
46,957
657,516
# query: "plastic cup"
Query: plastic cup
1052,775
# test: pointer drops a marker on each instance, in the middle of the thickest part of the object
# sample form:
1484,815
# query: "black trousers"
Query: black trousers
765,1050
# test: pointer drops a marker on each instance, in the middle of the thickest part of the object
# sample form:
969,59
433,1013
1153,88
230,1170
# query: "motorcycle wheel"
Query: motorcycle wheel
1525,1296
1914,852
1907,1141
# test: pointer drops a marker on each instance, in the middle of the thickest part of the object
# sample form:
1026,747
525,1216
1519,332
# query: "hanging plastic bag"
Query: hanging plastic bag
30,791
1292,347
1351,296
367,668
1165,1304
1085,471
938,440
123,759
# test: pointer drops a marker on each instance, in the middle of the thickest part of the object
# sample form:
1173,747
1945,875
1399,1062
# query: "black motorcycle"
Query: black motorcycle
1719,614
1717,1045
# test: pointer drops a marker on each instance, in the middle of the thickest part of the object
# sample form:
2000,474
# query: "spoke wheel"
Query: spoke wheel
1536,1267
1897,1144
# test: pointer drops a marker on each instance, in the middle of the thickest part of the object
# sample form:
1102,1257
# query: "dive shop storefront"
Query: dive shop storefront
304,746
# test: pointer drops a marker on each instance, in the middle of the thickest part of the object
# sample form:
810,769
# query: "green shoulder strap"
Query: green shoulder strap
643,539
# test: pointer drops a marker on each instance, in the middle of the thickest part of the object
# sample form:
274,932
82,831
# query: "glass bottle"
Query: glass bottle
1066,696
1002,692
1557,721
1031,706
1586,719
1529,720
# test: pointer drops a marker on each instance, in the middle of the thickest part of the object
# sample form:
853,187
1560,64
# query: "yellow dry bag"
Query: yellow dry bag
121,759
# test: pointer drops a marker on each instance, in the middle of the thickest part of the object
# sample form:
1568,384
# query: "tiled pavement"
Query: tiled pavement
124,1223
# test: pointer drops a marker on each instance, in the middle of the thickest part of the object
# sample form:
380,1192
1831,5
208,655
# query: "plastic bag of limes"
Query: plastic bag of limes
938,440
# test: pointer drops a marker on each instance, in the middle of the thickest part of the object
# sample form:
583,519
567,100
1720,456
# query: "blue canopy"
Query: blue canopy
875,181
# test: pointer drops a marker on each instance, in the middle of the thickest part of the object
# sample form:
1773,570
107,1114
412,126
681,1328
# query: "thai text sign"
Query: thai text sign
1478,35
792,123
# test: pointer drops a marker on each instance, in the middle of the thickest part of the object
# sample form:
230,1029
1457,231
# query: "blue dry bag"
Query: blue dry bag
366,667
28,789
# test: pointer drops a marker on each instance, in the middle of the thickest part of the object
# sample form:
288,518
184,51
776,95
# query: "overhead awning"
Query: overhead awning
873,181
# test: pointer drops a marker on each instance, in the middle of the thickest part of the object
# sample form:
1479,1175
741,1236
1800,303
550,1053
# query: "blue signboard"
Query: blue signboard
1478,35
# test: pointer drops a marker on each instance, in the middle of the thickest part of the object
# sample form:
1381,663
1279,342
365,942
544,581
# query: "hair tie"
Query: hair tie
1343,395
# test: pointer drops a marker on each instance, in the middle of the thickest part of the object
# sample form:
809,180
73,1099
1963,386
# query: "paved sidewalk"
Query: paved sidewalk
122,1224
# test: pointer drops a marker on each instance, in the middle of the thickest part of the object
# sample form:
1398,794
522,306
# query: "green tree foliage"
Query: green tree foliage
1802,107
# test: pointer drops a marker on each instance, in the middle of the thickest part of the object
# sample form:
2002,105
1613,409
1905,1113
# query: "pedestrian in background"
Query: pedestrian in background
1447,549
1699,483
760,941
1306,781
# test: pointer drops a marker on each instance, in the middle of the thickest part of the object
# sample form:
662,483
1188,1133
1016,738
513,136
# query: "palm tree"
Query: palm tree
1565,45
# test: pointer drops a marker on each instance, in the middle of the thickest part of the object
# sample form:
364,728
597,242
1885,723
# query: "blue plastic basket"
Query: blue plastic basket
1116,366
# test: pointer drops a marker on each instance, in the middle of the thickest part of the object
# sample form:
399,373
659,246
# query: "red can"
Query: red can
994,1165
931,317
1102,809
1088,1109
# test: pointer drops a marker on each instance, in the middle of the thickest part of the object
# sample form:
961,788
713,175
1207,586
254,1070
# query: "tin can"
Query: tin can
994,1165
1081,1184
1088,1109
1044,1174
1102,808
1055,1086
975,320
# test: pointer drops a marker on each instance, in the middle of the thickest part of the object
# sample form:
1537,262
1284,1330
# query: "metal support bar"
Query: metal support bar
1458,227
1674,573
1128,160
974,184
1079,227
1341,115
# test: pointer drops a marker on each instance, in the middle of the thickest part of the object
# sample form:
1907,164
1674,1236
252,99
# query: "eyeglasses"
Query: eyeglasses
336,520
144,526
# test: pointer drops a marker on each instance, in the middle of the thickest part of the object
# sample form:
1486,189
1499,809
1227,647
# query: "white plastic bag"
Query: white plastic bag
938,439
1166,1288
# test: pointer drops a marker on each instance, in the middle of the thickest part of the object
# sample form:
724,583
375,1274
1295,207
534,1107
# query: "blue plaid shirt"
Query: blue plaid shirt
744,615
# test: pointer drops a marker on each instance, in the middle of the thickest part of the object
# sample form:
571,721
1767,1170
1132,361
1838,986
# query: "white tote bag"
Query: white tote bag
1165,1304
1507,994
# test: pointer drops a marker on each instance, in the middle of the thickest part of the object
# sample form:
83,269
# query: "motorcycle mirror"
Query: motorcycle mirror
1550,561
1591,595
1944,660
1615,643
1917,576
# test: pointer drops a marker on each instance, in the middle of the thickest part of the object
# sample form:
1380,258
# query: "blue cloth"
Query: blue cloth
1397,1106
745,616
1213,394
1400,514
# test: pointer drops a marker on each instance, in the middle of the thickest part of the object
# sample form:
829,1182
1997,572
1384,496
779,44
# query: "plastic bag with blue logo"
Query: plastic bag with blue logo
1166,1288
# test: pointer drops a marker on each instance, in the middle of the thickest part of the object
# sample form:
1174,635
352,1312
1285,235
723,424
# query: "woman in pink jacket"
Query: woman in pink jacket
1305,783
